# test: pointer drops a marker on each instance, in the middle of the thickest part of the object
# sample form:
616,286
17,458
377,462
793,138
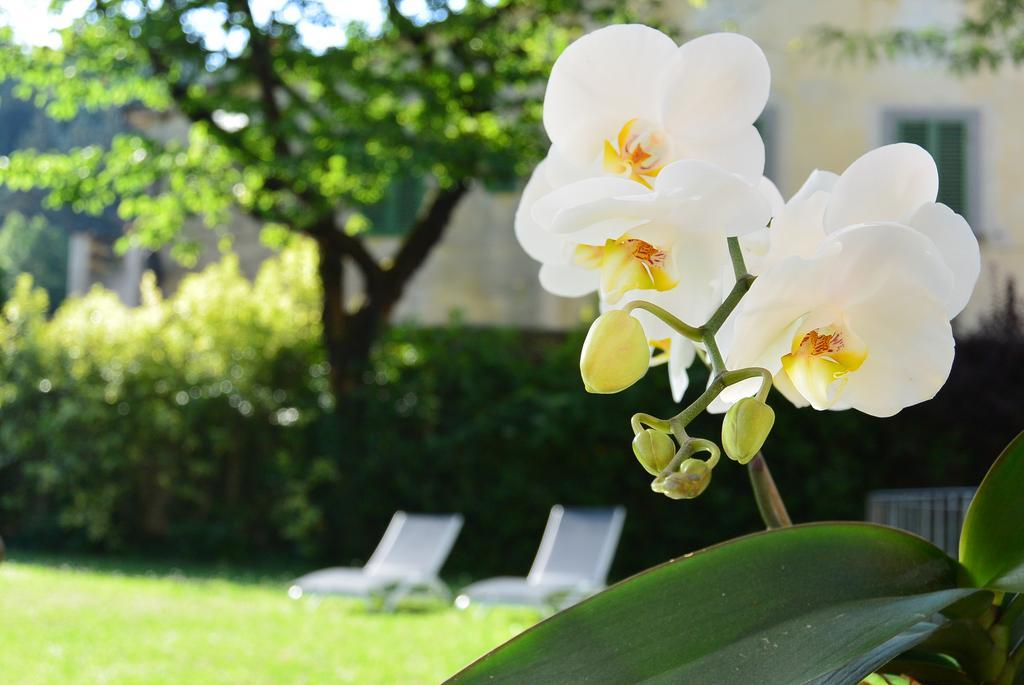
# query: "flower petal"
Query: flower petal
560,170
874,255
910,349
777,304
817,181
739,150
568,280
887,184
588,211
680,356
770,192
796,230
958,246
539,243
710,201
785,386
600,82
715,84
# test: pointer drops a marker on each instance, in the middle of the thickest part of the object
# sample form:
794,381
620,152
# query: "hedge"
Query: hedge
202,426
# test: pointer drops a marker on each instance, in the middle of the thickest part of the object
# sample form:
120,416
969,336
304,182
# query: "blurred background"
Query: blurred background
260,285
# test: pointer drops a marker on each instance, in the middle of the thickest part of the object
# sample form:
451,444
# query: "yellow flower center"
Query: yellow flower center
821,360
662,348
626,264
640,152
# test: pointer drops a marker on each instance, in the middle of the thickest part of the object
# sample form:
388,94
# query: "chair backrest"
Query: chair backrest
415,544
578,544
936,514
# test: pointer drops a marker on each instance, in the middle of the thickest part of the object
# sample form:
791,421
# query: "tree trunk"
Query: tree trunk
349,337
331,269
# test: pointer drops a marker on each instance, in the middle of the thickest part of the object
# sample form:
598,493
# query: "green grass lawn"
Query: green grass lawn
64,624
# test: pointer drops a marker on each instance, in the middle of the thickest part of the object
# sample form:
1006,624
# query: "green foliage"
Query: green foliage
33,246
990,35
782,607
131,423
452,96
308,141
992,546
484,422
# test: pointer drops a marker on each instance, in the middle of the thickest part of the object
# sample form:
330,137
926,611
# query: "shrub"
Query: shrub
202,425
180,420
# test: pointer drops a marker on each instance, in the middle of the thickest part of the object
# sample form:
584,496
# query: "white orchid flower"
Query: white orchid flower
862,324
627,101
863,274
894,183
622,104
614,235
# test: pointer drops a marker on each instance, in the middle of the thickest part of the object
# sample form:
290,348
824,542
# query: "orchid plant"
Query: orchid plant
652,195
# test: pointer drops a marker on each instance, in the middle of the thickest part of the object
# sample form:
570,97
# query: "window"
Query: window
396,213
950,138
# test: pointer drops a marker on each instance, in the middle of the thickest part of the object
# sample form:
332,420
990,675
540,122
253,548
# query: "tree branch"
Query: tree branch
323,227
348,246
424,236
263,66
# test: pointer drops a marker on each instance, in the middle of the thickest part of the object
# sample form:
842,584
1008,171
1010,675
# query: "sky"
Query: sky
33,25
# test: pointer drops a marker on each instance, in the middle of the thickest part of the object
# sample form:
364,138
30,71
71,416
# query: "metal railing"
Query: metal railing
936,514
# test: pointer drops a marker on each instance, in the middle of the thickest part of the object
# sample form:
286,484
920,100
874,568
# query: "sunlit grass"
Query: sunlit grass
68,625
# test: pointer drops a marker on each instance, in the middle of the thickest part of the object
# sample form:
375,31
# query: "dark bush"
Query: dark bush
201,426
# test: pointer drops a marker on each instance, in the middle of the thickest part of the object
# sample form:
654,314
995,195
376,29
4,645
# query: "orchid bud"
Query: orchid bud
745,428
616,353
692,478
654,449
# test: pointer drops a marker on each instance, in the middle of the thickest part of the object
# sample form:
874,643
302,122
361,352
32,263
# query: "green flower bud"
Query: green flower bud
692,478
654,449
615,354
745,428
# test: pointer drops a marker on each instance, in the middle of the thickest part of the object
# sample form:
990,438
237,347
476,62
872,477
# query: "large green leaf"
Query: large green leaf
866,664
783,607
992,542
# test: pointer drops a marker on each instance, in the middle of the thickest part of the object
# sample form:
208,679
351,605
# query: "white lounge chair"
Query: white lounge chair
405,563
571,563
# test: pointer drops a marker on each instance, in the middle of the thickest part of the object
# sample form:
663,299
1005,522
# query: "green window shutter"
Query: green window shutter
396,213
950,152
946,140
913,131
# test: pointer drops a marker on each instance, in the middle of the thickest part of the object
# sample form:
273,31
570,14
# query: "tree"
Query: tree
303,139
33,246
989,36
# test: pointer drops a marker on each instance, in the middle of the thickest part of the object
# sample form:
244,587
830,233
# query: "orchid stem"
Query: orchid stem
714,354
674,322
640,420
721,382
739,267
743,282
740,289
769,502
